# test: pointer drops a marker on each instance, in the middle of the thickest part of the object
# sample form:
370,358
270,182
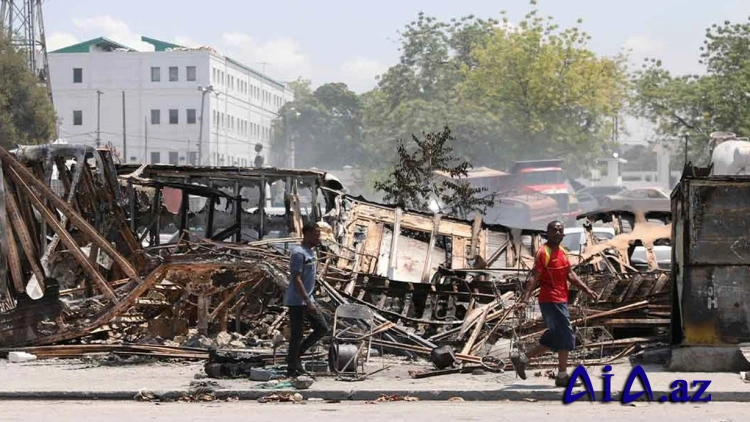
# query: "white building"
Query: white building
163,89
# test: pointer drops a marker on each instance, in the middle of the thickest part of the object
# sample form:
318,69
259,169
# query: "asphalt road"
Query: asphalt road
97,411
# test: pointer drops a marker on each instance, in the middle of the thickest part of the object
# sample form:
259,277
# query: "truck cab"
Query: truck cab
547,177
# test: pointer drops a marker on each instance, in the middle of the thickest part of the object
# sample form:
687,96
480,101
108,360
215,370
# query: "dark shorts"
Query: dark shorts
559,334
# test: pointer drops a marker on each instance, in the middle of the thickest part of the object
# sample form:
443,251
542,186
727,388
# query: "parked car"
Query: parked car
646,199
587,202
574,235
599,192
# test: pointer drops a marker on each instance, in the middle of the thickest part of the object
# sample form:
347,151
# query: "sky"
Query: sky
353,41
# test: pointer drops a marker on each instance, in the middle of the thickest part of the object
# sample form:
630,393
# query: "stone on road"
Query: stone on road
96,411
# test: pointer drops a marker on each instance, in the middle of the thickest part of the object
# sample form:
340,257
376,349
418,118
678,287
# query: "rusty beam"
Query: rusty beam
27,243
73,247
24,174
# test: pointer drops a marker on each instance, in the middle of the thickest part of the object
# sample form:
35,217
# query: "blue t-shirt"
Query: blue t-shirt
302,261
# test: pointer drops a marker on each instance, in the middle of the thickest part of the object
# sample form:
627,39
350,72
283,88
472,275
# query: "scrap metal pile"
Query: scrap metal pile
168,261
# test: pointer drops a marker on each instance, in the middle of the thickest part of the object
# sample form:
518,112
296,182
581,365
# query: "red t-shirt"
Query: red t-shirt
553,275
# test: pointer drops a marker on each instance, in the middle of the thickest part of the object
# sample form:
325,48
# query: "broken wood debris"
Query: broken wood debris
173,262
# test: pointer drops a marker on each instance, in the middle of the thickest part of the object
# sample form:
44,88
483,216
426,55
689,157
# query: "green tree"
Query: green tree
549,95
26,113
418,94
325,125
428,171
693,106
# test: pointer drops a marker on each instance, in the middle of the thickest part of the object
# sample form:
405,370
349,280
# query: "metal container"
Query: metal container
711,260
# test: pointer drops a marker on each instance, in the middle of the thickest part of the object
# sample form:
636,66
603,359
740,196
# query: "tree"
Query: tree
325,125
549,95
692,106
427,172
418,94
26,113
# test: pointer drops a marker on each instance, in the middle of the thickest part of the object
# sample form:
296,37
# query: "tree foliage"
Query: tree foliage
325,125
428,171
696,105
26,113
550,95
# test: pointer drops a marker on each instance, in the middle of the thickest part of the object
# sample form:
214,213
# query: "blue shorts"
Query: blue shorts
559,334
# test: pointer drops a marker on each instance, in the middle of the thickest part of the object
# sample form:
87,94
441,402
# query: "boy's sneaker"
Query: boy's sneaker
519,361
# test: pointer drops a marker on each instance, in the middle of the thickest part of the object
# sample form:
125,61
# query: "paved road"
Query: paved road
96,411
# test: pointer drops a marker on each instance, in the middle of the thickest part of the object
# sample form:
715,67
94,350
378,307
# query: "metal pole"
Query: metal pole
200,133
145,141
124,137
98,117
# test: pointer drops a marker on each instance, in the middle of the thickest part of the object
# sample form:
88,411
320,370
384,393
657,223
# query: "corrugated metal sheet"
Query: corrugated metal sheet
495,241
712,257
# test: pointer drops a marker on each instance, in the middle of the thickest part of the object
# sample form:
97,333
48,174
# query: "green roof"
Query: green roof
85,47
160,45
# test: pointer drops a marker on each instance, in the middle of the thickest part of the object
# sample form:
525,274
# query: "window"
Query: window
193,158
77,75
173,73
174,116
155,74
77,118
191,74
174,157
155,158
155,117
191,116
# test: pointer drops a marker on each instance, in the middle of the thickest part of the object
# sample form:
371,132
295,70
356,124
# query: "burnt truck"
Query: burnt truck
546,177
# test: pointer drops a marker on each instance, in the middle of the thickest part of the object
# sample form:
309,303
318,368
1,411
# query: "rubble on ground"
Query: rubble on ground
168,262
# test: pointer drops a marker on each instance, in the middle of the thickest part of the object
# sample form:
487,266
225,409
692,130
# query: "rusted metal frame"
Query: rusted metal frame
392,254
497,253
70,195
156,276
14,260
229,231
314,198
28,215
262,208
132,205
26,241
210,221
430,247
222,306
6,238
23,174
476,227
37,172
62,174
238,211
73,248
184,207
153,228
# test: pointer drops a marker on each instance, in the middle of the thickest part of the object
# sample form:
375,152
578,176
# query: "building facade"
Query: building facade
147,105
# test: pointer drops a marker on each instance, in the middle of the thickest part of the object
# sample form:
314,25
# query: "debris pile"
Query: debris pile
191,263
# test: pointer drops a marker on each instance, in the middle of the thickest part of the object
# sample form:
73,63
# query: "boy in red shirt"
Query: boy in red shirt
552,271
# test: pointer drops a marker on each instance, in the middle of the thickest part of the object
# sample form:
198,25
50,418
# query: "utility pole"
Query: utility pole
124,137
204,91
98,117
145,141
